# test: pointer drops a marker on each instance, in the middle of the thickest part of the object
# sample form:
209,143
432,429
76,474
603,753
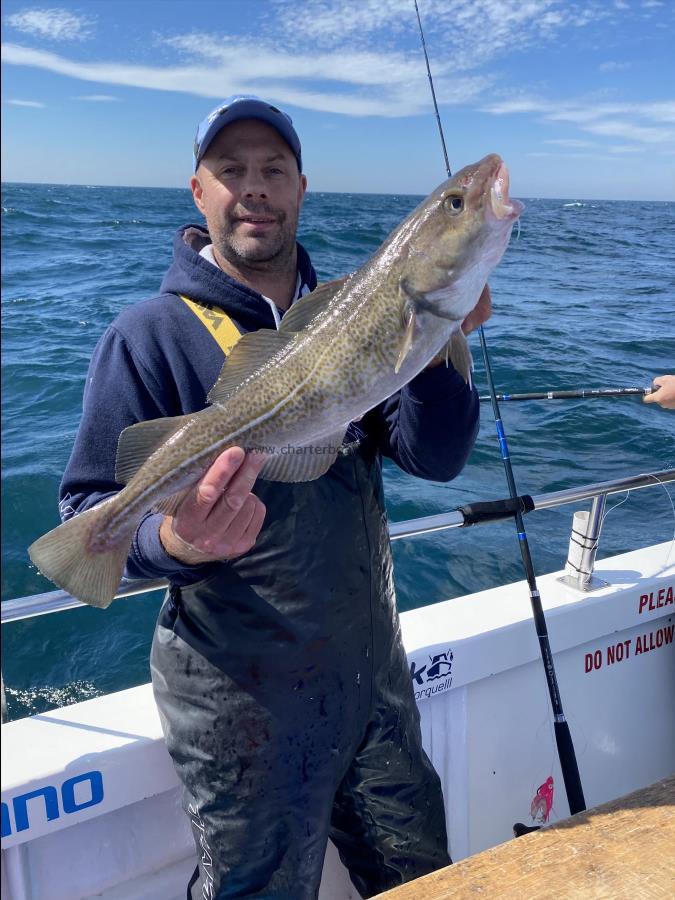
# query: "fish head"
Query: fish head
457,236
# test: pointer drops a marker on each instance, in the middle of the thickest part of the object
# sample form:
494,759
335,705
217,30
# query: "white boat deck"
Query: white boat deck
91,804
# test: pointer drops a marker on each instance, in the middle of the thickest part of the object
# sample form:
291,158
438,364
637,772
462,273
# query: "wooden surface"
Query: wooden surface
622,849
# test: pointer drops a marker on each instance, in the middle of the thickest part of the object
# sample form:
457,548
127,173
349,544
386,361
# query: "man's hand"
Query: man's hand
480,313
220,518
665,396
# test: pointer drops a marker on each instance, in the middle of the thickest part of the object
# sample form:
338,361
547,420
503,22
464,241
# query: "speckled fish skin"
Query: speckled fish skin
300,387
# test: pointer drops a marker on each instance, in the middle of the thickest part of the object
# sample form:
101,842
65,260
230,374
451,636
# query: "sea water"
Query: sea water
584,297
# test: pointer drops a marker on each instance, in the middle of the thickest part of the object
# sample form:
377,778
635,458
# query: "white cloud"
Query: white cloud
625,148
357,67
366,83
613,66
595,156
98,98
571,142
33,104
453,20
581,115
465,34
507,107
353,57
641,122
55,24
660,112
630,131
326,22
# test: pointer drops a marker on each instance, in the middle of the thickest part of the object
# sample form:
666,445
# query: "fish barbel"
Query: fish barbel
292,393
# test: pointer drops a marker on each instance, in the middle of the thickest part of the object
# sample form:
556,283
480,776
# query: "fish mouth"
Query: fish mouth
502,206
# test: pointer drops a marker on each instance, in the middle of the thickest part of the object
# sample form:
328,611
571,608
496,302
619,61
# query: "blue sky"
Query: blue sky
576,95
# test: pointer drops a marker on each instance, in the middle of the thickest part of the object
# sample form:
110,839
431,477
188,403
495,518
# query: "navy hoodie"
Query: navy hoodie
156,359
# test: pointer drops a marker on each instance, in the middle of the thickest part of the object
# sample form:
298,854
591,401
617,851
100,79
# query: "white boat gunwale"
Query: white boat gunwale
488,671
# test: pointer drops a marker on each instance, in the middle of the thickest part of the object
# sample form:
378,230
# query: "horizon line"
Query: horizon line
575,197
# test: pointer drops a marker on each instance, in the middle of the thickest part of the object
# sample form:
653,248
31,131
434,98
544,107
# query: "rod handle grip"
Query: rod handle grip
570,769
496,510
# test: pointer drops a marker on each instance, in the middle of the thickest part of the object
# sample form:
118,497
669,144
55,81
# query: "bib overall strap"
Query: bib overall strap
219,325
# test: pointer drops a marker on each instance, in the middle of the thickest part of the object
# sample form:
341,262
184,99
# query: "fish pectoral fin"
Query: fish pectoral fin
168,506
459,353
139,441
303,463
306,309
251,352
409,319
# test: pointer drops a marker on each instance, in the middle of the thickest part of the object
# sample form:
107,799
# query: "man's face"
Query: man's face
250,191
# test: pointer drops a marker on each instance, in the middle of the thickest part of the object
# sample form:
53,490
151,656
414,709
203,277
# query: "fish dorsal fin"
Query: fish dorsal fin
255,348
459,353
251,352
304,463
139,441
306,309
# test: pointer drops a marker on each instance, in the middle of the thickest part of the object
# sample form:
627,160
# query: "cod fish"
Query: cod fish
292,393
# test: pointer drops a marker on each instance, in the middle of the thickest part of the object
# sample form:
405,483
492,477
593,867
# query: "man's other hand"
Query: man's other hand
220,518
480,313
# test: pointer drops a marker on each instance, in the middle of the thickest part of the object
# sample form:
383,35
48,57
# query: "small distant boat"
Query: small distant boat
91,805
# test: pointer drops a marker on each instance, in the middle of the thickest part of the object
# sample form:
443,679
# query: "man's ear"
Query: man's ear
301,189
197,191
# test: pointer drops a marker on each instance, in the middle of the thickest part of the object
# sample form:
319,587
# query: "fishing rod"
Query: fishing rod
433,93
578,394
563,737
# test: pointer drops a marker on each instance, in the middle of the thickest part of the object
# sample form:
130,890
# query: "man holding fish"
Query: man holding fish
277,662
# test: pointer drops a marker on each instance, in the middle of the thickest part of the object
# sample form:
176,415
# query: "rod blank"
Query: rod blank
578,394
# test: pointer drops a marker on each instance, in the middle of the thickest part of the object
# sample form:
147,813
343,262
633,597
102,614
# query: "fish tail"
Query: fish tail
63,555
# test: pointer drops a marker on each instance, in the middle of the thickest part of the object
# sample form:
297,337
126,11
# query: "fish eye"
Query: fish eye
453,204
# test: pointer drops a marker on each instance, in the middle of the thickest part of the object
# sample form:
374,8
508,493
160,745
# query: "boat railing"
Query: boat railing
579,568
472,514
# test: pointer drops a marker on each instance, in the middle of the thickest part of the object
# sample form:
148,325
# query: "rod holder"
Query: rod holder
584,542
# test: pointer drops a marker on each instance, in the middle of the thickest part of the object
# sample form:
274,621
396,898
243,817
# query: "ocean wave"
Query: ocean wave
567,297
31,701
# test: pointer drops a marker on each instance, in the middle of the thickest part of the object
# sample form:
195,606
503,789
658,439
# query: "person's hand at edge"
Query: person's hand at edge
665,395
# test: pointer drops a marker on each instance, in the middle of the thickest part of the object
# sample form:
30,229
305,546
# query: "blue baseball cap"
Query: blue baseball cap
245,106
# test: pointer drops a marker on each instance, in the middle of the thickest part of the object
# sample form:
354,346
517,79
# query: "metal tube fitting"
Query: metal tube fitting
584,541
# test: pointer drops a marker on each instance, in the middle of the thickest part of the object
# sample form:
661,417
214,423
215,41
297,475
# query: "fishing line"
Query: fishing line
608,511
566,754
672,506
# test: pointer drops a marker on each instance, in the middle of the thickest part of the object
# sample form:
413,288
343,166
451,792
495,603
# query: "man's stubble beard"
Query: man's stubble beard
273,253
